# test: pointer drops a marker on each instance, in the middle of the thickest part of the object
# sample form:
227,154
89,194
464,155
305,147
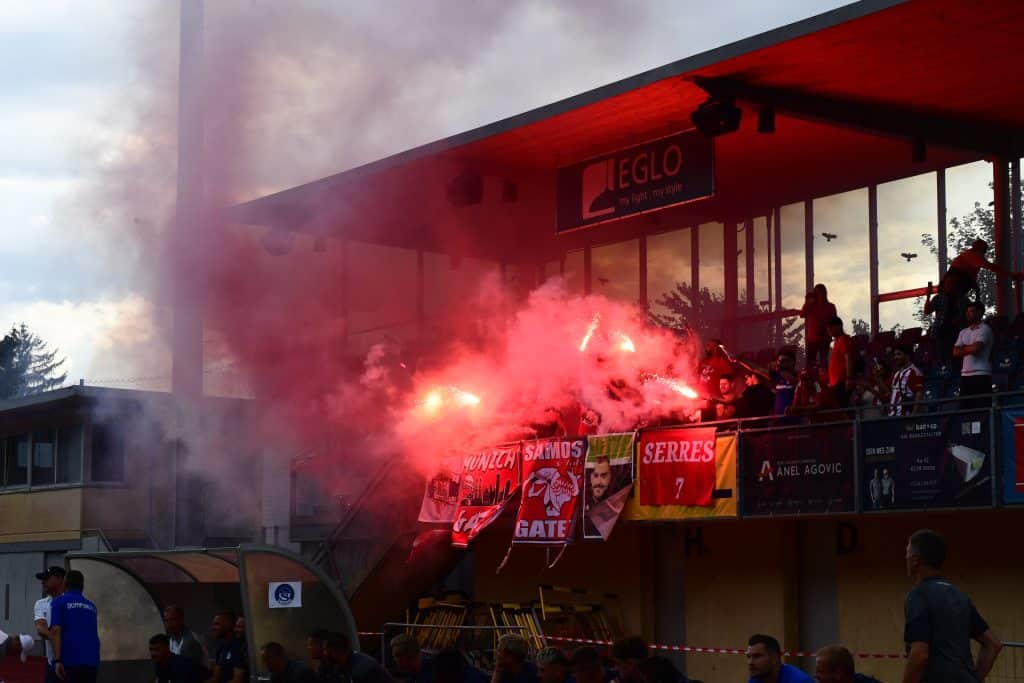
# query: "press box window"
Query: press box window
15,460
69,455
43,451
107,463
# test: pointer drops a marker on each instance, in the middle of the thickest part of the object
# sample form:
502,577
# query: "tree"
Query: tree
27,366
701,312
978,224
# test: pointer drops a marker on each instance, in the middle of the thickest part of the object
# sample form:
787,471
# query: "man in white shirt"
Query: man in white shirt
53,585
974,346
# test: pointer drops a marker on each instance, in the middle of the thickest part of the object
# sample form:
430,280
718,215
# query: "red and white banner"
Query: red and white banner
489,479
441,496
676,466
552,482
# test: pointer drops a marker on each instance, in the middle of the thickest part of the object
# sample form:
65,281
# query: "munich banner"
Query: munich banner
925,462
489,479
607,482
676,466
723,495
1013,455
441,496
670,170
799,471
552,478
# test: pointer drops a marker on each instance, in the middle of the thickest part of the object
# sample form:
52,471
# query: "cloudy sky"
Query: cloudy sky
70,70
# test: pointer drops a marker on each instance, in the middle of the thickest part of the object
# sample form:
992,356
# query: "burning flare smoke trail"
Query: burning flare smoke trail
590,332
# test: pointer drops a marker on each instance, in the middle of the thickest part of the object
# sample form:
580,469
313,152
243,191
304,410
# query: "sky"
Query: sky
70,71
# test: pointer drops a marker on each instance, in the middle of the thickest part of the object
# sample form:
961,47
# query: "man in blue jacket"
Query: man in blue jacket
74,633
764,659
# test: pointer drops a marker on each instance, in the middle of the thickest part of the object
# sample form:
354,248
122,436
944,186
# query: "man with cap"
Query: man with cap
53,585
16,646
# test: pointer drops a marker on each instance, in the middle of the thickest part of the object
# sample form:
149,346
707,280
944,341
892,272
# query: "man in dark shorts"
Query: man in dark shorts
941,621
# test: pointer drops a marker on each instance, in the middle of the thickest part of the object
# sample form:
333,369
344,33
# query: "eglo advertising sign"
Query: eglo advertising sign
664,172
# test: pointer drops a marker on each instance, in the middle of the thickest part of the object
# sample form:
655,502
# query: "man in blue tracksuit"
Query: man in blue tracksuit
74,633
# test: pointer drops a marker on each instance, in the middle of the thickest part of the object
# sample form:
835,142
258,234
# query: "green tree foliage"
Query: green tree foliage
980,223
700,312
27,365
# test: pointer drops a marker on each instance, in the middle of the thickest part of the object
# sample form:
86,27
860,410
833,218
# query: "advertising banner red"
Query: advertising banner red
552,481
489,479
677,466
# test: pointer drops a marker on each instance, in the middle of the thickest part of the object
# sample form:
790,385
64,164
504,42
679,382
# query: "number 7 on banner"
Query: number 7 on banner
679,487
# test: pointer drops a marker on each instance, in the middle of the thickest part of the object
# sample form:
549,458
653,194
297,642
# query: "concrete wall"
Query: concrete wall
807,582
739,581
986,557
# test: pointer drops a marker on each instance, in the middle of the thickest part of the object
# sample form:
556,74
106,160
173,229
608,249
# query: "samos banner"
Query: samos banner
552,483
489,480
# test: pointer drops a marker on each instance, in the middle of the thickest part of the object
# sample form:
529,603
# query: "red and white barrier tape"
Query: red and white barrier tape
690,648
717,650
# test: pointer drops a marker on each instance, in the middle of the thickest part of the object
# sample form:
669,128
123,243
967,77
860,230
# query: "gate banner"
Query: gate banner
552,478
931,461
441,496
723,497
677,466
489,479
799,471
1013,455
608,482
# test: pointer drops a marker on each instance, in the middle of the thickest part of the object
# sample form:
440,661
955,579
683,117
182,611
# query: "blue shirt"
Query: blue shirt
789,674
79,635
785,389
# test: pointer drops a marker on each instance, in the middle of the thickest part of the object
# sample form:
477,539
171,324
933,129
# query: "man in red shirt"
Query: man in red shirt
962,275
840,363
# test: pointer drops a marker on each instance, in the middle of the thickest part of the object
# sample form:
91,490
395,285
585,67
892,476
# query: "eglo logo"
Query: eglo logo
284,594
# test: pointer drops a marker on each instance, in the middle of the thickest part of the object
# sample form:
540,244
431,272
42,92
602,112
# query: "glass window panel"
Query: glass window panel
794,260
710,258
668,267
966,185
741,267
107,453
616,270
42,458
16,460
69,455
841,253
574,272
762,258
906,225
